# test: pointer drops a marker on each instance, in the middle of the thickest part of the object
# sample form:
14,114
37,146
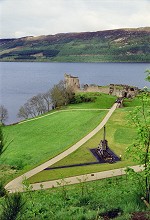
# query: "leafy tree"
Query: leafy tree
60,95
23,112
56,94
37,105
3,114
33,107
140,150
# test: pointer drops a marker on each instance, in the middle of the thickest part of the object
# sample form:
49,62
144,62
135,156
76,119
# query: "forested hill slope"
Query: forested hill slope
120,45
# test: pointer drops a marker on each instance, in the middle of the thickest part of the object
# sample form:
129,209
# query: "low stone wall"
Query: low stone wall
96,89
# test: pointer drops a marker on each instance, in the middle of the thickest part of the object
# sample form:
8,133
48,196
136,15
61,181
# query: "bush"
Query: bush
80,98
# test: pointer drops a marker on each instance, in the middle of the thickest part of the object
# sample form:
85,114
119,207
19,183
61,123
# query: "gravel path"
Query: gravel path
16,184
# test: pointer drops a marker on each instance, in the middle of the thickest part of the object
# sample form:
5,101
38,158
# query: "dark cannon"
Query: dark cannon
103,150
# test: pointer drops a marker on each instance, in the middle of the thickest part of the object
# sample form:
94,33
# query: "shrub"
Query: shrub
80,98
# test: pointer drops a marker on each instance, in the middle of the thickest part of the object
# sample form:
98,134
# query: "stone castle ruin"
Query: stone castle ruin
118,90
72,82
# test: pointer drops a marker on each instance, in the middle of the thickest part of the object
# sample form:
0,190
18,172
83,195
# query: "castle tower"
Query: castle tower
72,82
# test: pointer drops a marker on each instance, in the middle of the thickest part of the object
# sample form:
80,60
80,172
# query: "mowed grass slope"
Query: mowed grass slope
36,141
120,134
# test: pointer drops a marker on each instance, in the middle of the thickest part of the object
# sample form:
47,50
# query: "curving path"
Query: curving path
16,184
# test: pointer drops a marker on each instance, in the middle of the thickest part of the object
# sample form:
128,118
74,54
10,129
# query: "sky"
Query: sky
21,18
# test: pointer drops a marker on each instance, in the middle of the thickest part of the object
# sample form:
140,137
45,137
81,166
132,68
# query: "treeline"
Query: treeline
54,98
58,96
29,54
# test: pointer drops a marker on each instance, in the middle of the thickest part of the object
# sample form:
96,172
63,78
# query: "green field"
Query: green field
37,141
120,134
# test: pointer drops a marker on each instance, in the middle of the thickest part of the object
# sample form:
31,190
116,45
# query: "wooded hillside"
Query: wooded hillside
121,45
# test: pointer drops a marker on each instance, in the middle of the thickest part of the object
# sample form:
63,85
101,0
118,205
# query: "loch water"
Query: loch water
19,81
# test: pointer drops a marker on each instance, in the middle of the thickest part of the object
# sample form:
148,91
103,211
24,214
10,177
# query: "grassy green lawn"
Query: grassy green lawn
103,101
37,141
120,134
131,102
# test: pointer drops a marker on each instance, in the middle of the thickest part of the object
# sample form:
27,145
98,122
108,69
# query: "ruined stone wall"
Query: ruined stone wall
112,89
88,88
118,90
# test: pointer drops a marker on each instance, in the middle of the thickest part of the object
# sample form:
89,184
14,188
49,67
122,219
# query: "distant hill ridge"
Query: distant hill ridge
119,45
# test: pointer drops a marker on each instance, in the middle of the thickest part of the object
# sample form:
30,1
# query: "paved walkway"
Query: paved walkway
83,178
16,184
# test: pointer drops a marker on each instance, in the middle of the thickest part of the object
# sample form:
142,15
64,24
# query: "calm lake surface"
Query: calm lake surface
20,81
